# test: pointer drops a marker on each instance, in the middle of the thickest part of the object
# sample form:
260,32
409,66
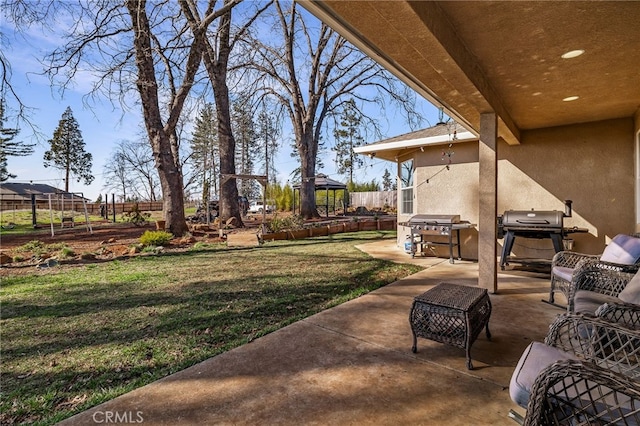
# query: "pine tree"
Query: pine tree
268,133
388,184
347,136
67,151
205,153
244,133
10,148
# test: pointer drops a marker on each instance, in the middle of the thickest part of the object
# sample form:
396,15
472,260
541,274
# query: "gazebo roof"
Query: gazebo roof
323,182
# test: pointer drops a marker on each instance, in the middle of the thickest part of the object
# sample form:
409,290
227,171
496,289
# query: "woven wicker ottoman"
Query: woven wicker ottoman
452,314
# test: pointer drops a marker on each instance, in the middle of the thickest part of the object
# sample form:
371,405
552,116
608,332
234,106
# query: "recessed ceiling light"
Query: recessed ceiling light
570,98
572,54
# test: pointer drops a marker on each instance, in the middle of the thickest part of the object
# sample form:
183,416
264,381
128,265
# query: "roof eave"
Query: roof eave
389,151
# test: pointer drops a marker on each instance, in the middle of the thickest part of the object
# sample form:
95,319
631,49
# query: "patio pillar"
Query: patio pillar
488,202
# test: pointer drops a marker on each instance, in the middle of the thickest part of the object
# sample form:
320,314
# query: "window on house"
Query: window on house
406,189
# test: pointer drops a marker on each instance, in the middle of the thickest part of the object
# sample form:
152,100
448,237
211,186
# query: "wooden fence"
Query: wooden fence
92,208
378,199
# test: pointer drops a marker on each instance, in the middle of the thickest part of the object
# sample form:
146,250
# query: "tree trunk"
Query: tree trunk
216,67
171,184
228,188
67,175
163,152
308,208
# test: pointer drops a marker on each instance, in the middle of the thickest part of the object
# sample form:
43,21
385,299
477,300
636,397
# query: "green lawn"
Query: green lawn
76,336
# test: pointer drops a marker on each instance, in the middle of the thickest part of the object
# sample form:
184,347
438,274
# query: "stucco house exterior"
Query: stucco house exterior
551,92
444,168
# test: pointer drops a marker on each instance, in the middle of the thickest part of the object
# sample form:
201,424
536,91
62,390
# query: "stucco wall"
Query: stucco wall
636,132
591,164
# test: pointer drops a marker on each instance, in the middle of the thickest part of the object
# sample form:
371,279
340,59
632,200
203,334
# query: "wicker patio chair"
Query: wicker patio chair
610,347
621,254
612,295
626,314
573,392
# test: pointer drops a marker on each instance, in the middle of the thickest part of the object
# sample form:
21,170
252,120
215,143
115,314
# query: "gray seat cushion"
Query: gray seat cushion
587,302
562,272
536,357
623,250
631,293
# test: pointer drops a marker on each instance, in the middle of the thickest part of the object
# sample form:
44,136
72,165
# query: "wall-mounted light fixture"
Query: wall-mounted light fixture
372,154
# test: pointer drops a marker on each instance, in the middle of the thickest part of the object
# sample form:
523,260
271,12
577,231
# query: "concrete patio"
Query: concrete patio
353,364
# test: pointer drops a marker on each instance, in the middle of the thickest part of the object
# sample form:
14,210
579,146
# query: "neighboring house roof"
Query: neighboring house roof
393,148
15,191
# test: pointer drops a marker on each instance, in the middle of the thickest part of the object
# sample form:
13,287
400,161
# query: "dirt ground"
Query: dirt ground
106,242
78,238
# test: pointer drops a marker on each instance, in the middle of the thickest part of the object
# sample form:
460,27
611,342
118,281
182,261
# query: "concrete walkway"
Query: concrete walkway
353,365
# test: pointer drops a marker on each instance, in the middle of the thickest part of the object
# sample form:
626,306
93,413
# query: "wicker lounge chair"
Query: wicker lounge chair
622,254
597,346
574,392
612,295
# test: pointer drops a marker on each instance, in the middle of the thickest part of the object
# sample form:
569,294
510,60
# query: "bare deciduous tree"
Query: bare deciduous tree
311,72
148,45
131,170
117,175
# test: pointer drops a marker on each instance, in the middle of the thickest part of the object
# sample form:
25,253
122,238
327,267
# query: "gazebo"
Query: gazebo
322,182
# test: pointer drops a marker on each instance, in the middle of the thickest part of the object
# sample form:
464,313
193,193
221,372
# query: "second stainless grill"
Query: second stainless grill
424,225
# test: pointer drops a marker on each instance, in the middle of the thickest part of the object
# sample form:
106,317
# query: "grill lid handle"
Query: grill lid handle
533,221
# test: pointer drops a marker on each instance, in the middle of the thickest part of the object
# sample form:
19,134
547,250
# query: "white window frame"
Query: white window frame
407,172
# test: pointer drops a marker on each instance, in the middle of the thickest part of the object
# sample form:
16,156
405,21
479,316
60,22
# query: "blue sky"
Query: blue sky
104,123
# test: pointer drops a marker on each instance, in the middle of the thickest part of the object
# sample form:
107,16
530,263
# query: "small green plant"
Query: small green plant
66,252
202,246
135,216
55,246
33,245
38,247
155,238
292,223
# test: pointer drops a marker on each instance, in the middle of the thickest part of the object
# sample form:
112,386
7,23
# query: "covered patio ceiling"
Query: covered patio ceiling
474,57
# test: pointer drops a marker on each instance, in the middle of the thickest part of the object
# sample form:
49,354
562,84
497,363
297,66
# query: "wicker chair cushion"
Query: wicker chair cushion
562,272
535,358
587,302
623,250
631,293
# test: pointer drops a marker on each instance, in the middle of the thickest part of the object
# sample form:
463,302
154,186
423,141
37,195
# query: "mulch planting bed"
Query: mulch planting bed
106,242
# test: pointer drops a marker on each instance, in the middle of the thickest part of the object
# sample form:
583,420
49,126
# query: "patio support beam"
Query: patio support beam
488,202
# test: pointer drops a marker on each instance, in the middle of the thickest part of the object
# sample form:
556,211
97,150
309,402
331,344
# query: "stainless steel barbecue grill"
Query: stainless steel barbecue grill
425,225
533,224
